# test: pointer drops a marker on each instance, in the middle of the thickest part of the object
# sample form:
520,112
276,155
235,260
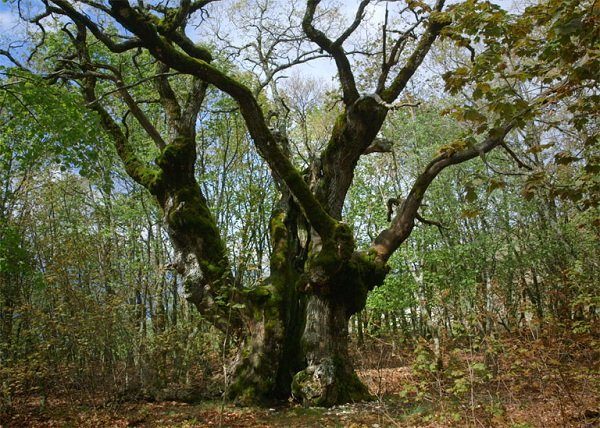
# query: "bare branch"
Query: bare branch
428,222
11,58
302,59
394,56
380,145
117,78
360,14
516,158
335,49
416,58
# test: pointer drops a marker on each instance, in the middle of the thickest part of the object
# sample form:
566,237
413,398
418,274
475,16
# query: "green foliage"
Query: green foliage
46,124
87,301
533,66
500,255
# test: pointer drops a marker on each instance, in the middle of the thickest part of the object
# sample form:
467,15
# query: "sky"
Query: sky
7,18
11,29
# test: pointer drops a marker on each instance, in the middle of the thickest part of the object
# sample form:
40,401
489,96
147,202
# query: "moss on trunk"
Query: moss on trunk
273,353
338,287
330,383
329,378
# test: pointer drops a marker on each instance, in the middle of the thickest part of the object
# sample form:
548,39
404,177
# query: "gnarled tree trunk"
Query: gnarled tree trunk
327,269
337,288
272,352
329,377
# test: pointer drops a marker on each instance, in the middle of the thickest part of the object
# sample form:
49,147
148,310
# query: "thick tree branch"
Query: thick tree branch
11,58
115,76
394,56
436,23
167,96
140,171
355,130
402,224
380,145
189,47
201,253
192,105
334,48
65,8
249,107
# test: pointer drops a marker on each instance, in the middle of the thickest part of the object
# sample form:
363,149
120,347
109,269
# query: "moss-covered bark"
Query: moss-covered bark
329,378
353,131
272,353
201,255
337,279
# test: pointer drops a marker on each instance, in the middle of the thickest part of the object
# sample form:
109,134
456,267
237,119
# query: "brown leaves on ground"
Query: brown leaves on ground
387,381
549,382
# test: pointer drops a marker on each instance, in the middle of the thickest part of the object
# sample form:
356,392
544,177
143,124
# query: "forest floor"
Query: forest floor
524,383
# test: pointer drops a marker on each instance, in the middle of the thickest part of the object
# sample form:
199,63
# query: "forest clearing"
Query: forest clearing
299,213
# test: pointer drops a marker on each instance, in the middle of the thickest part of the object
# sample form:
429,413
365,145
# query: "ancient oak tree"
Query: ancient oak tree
294,326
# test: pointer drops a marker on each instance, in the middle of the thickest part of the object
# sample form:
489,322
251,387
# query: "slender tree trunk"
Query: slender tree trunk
359,328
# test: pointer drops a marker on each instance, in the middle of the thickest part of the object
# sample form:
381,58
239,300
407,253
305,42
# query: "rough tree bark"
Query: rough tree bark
337,276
